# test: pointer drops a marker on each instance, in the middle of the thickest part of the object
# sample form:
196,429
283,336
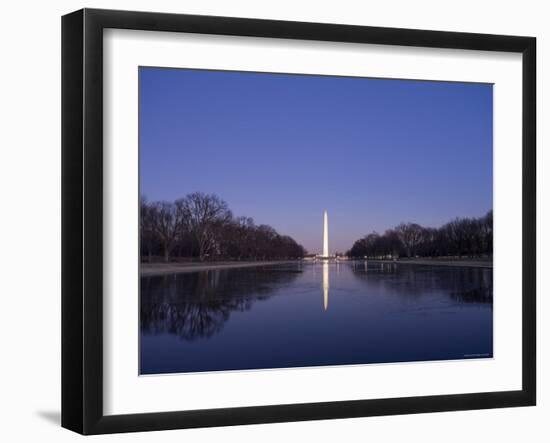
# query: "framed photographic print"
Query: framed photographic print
270,221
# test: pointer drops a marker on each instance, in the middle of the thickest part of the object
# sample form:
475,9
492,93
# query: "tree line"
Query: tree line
201,226
461,237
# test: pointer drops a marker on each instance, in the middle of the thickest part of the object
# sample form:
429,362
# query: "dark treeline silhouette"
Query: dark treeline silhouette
201,226
461,237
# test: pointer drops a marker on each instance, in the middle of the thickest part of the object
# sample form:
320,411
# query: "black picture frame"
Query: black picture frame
82,218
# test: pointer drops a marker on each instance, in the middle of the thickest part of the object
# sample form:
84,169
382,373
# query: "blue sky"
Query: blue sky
281,148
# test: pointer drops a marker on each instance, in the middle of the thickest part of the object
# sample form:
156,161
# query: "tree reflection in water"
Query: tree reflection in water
462,284
197,304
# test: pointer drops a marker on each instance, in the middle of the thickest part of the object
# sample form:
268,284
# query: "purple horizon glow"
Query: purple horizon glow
282,148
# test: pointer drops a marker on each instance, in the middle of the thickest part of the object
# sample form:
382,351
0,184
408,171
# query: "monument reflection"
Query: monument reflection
325,284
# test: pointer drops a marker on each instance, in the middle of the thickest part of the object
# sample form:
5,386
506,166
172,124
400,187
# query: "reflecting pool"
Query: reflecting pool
313,314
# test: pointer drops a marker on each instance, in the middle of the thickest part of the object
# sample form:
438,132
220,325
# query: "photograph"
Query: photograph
300,220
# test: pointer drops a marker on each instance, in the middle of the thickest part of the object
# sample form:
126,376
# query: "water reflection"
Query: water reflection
271,316
197,305
325,284
461,284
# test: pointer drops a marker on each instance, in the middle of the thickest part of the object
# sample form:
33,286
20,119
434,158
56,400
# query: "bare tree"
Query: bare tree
168,224
410,235
204,215
393,245
487,232
146,224
455,231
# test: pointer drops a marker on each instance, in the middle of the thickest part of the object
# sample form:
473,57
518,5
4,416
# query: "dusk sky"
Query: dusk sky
283,148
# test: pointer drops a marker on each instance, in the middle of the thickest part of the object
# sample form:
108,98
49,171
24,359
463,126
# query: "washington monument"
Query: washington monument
325,236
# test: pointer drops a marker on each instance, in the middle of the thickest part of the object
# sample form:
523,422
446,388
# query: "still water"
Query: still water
307,314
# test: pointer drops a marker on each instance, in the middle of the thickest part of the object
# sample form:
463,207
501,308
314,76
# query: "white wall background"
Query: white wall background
30,218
